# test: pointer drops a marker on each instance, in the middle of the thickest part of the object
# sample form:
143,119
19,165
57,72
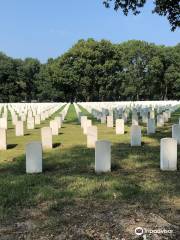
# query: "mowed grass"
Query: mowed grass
68,177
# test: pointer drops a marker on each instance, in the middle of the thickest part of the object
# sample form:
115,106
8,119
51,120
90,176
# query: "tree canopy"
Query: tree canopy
95,71
168,8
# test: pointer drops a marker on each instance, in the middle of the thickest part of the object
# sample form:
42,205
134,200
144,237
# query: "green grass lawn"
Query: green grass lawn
69,200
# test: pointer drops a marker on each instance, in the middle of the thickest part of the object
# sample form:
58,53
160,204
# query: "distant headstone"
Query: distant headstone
3,139
83,120
30,123
37,119
151,126
23,118
59,121
160,120
86,124
119,126
103,119
19,128
135,119
135,135
54,127
91,136
3,122
166,116
152,114
145,118
110,121
46,137
176,132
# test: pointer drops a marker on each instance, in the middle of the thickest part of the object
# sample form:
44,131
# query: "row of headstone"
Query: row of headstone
32,114
168,156
89,130
46,132
168,160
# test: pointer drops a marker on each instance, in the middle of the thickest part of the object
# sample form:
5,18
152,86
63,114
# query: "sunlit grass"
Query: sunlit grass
69,176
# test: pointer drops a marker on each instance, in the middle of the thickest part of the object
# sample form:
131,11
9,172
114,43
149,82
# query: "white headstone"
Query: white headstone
135,119
103,119
3,139
160,120
166,116
46,137
23,118
168,154
152,114
151,126
34,157
59,121
103,156
119,126
176,132
91,136
54,127
19,128
110,121
3,122
86,124
135,135
30,123
83,120
37,119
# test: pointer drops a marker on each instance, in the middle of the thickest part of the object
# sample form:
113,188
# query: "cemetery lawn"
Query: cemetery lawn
69,201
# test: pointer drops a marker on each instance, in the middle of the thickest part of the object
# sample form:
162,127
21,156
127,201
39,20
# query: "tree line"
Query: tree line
95,71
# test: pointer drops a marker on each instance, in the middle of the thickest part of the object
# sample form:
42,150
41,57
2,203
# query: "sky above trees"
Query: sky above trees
44,29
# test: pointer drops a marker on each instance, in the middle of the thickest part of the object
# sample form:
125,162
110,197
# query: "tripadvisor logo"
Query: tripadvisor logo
139,231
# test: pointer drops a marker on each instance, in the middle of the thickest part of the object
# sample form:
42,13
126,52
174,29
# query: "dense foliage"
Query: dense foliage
168,8
95,71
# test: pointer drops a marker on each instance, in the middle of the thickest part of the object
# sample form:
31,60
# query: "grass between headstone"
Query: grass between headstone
69,195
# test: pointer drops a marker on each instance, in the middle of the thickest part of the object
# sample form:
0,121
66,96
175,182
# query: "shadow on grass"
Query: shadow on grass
69,174
11,146
55,145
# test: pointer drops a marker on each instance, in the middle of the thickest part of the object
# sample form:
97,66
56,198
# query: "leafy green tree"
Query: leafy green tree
168,8
95,71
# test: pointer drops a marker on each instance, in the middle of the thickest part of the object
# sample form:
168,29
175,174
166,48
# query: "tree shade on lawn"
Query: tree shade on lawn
69,198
